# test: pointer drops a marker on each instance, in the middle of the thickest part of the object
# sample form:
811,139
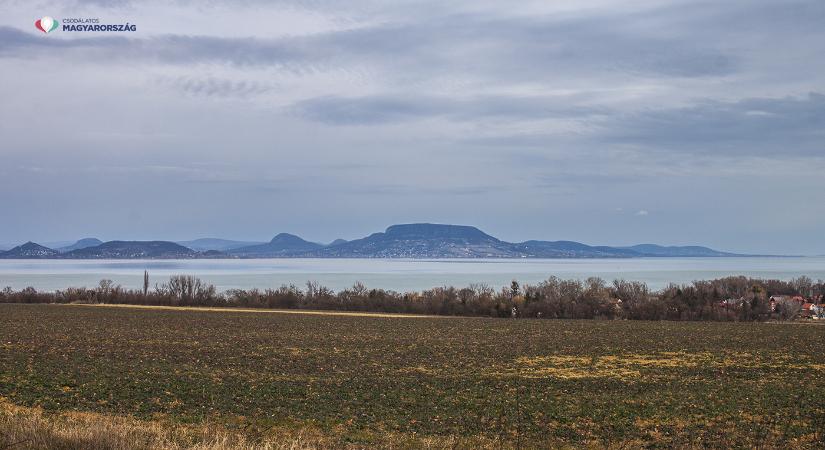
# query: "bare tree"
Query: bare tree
515,289
788,309
107,290
359,289
803,286
145,282
312,288
186,289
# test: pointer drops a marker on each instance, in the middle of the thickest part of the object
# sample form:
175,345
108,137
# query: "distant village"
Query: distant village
788,307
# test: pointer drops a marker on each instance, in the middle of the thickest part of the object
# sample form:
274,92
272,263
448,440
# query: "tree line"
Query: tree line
725,299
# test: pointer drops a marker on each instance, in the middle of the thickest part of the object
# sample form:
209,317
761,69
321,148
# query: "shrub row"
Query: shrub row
725,299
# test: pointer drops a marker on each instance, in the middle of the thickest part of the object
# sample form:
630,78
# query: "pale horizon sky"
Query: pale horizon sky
605,122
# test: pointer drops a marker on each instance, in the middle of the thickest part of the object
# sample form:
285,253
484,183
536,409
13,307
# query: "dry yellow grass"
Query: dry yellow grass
32,428
264,311
632,365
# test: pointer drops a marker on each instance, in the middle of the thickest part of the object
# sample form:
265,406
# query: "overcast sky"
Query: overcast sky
606,122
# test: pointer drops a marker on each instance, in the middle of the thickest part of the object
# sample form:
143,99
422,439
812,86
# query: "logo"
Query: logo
46,24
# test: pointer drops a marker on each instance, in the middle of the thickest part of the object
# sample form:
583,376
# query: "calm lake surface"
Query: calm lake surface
395,274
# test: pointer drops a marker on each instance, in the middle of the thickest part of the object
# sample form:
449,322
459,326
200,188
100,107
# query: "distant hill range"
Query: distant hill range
81,244
418,240
89,249
282,245
421,240
133,250
689,250
30,250
220,245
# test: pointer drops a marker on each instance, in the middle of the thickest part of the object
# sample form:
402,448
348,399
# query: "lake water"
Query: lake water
395,274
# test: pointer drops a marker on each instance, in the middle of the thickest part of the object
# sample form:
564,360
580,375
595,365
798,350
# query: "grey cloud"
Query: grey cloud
687,39
522,48
309,4
103,3
384,109
592,179
754,126
761,127
678,62
15,42
342,111
171,49
414,190
215,87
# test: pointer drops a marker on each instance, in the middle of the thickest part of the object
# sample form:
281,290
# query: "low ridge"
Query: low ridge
80,244
282,245
29,250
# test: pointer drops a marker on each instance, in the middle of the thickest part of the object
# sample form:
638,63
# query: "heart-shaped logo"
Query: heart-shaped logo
46,24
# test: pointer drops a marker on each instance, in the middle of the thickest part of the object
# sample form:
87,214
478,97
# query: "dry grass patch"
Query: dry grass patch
262,311
633,365
31,428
